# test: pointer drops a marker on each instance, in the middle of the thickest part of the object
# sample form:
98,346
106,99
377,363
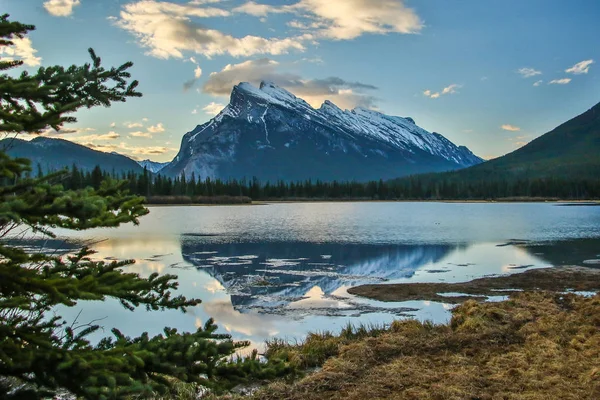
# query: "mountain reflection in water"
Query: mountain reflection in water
275,274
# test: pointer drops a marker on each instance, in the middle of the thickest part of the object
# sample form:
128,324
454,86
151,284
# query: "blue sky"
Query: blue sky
491,75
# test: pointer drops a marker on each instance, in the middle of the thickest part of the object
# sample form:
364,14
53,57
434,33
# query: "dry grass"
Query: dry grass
550,279
319,346
534,346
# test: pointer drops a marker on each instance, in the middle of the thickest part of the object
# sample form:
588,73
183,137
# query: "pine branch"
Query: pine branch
39,352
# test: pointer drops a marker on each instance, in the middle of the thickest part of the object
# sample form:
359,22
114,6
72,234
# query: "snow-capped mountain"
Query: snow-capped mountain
152,166
271,134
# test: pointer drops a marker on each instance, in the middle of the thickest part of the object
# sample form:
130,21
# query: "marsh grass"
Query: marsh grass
318,346
534,346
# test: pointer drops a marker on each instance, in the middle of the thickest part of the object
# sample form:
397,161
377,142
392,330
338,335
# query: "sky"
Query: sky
490,75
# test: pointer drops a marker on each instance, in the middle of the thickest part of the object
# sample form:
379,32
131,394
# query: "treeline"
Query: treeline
419,187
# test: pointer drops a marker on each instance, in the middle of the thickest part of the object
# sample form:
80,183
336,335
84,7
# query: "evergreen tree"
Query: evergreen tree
97,177
41,353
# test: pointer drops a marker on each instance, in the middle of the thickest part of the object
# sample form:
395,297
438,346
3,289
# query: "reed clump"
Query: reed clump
536,345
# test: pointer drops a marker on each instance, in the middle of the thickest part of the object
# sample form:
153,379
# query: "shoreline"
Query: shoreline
554,279
576,203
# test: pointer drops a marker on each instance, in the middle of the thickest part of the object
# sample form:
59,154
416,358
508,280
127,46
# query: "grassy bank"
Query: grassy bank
537,345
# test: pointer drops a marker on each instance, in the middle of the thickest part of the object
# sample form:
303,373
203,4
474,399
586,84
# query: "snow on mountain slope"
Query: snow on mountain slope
397,131
270,133
152,166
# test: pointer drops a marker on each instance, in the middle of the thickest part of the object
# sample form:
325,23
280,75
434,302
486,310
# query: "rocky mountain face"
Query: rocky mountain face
271,134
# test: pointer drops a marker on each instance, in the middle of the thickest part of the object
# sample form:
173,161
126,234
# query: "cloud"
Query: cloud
246,323
538,83
50,132
167,30
158,128
91,141
526,72
148,151
187,85
132,125
61,8
199,2
344,19
141,134
562,81
112,135
113,124
106,148
213,108
131,150
345,94
21,49
313,60
450,89
259,10
582,67
510,128
74,135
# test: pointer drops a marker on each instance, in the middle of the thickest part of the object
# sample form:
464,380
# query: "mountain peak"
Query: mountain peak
266,93
245,87
268,132
330,107
264,84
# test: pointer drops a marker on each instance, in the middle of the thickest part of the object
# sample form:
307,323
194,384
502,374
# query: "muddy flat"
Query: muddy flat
558,279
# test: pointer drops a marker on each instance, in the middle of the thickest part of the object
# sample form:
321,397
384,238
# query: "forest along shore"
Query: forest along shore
244,200
197,200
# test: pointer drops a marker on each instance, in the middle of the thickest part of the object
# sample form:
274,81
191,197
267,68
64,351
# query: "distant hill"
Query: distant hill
55,154
572,150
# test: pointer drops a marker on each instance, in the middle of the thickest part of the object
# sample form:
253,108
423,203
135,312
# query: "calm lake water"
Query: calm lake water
282,270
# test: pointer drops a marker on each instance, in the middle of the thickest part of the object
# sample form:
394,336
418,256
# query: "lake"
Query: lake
282,270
